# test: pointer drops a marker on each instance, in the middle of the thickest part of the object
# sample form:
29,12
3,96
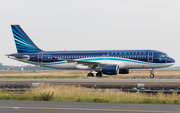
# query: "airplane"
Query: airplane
109,62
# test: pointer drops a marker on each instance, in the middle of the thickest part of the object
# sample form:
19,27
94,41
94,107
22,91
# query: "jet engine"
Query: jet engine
124,71
110,69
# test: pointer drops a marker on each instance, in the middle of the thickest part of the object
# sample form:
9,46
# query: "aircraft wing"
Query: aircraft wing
85,64
93,64
81,62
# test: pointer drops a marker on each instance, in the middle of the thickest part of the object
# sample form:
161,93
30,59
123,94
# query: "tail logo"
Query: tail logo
22,41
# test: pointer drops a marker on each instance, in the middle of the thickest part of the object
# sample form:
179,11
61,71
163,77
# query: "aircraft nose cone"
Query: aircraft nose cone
171,60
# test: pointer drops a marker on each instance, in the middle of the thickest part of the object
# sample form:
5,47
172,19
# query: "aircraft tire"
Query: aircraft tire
90,75
152,76
99,74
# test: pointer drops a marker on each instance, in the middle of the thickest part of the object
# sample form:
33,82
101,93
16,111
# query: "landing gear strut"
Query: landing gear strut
98,74
151,73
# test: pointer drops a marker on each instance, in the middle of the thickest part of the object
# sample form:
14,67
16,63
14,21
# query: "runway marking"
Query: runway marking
15,107
87,109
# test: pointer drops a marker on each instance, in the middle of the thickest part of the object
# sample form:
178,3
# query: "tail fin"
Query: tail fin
22,41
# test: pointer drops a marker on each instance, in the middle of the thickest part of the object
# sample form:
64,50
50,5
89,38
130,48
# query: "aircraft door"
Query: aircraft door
150,56
40,57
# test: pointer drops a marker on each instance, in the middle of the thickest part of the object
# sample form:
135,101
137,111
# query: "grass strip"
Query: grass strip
80,94
83,74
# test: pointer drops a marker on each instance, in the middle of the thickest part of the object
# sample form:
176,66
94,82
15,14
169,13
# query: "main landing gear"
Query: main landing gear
98,74
151,73
90,75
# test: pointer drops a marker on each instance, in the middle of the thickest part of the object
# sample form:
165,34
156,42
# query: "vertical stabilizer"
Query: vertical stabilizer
22,41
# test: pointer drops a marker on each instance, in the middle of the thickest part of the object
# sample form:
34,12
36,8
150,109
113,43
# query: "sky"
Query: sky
92,25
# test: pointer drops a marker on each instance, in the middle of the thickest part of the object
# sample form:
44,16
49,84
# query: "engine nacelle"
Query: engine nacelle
110,69
124,71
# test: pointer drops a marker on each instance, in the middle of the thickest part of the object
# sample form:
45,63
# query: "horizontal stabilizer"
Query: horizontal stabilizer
17,56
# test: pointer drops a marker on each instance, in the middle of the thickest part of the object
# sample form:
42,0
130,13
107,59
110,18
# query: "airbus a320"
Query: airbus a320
109,62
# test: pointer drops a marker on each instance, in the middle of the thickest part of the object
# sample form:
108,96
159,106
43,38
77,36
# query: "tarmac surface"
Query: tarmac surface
15,106
92,80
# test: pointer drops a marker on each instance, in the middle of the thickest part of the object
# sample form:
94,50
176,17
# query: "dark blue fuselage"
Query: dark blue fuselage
152,56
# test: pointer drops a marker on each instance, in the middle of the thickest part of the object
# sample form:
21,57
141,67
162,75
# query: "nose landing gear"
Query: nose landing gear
151,73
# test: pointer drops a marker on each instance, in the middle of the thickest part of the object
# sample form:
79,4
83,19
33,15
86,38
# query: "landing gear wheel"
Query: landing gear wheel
90,75
152,76
99,74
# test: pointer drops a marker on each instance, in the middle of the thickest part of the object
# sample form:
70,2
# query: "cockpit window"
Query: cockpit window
163,55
